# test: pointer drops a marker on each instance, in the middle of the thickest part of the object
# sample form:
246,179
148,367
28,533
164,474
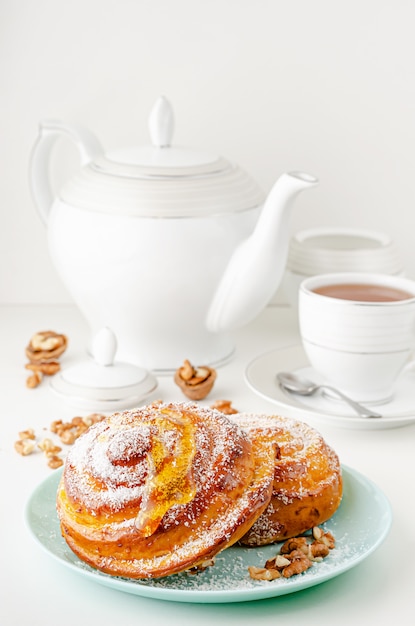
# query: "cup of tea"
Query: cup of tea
358,330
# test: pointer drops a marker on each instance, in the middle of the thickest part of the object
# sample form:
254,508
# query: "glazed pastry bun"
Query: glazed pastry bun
153,491
308,486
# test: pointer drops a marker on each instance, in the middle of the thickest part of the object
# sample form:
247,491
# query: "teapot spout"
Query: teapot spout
257,265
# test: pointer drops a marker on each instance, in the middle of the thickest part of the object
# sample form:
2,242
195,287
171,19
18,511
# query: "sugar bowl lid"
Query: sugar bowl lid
101,383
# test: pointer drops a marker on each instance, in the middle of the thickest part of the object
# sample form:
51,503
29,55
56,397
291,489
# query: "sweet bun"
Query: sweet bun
307,486
157,490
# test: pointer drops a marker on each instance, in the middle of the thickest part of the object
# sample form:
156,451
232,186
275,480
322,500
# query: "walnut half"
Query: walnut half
46,346
43,352
195,382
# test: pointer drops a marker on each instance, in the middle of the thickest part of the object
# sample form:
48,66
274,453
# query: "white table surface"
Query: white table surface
37,589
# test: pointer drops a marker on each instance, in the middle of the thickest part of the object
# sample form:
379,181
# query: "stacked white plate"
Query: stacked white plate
325,250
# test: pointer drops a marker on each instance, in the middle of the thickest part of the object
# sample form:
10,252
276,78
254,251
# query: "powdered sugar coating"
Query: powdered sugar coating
307,486
215,484
126,437
302,449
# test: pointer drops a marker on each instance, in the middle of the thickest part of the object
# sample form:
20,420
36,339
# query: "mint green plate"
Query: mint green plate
360,525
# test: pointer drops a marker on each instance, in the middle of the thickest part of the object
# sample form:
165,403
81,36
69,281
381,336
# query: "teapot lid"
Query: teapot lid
161,155
161,180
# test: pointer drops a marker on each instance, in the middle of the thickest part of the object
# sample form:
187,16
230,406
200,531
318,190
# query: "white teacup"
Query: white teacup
357,344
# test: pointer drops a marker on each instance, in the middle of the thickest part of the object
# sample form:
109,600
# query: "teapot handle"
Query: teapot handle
49,130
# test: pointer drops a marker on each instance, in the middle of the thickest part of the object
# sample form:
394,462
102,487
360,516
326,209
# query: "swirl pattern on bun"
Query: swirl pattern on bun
157,490
308,485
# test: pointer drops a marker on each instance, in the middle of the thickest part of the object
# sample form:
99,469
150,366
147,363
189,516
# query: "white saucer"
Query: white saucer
260,376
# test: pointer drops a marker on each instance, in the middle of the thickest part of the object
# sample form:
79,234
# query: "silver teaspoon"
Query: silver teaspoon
304,387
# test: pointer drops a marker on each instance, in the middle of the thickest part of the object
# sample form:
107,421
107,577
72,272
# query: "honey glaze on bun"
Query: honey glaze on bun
308,486
157,490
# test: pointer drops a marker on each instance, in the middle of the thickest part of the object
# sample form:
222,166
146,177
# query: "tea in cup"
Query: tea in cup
358,330
327,249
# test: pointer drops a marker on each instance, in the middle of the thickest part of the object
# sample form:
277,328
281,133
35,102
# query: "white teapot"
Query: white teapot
163,245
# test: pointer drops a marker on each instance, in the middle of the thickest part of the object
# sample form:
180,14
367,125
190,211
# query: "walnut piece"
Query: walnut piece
34,380
296,543
318,551
186,371
44,342
55,461
202,566
48,369
195,382
262,573
68,437
68,432
24,446
324,537
296,556
224,406
48,447
29,433
299,563
277,562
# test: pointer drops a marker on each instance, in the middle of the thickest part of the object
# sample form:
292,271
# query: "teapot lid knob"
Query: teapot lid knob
161,123
104,347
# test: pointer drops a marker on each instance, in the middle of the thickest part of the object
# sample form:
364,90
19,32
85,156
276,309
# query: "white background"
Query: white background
324,86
